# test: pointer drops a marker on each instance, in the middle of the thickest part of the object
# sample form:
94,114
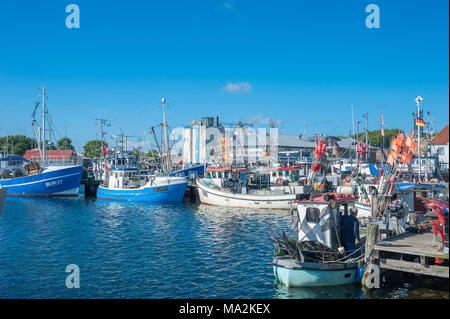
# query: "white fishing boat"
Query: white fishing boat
238,187
315,256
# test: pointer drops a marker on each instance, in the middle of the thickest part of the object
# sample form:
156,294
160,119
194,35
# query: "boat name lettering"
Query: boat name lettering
53,183
161,189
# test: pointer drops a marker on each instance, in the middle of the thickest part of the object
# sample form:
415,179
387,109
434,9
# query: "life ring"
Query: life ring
279,180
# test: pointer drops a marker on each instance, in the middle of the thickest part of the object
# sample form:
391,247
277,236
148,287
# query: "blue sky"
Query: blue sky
299,61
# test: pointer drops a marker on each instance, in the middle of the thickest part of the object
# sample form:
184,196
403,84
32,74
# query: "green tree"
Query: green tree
375,138
49,146
153,154
17,144
65,143
93,148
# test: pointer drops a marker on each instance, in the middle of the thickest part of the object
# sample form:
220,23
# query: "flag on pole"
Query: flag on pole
382,122
420,123
382,131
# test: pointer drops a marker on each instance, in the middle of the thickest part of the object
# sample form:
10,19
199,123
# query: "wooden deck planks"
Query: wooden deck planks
412,244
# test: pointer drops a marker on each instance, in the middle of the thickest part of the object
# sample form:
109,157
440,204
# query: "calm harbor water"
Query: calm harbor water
152,251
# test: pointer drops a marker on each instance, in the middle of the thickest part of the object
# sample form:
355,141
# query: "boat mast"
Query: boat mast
353,125
418,101
366,116
43,125
165,135
102,122
356,144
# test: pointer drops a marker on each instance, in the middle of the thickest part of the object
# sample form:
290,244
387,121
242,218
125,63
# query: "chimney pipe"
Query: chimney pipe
217,120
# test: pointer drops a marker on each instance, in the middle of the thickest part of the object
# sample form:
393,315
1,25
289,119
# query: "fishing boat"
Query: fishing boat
314,257
124,181
240,187
30,179
40,177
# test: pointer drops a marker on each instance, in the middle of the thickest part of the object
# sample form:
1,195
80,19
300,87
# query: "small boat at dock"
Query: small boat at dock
314,257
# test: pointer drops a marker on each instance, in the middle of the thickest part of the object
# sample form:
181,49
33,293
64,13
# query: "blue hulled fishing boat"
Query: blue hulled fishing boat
22,179
39,177
124,181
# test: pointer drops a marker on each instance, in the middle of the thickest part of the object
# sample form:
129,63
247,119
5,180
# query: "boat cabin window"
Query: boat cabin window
274,174
208,175
313,215
219,174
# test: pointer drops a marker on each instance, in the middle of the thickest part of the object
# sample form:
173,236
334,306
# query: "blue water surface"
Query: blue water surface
136,250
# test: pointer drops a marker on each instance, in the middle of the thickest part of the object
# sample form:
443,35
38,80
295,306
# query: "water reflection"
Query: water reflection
351,291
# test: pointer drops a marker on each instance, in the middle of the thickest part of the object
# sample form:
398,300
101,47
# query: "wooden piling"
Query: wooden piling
374,205
372,238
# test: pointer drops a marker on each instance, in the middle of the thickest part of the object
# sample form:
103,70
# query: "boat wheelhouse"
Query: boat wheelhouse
284,175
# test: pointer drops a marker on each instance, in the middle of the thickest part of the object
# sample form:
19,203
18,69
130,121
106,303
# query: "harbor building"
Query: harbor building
439,149
208,141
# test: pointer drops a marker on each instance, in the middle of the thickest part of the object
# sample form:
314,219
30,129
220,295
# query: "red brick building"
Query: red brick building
50,155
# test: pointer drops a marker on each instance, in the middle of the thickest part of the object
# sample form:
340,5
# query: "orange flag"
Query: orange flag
406,156
391,158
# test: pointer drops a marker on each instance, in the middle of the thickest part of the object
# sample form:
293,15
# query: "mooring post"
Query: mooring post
372,238
374,205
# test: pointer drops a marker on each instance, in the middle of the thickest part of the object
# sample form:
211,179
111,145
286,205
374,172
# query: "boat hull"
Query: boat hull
64,181
216,197
158,194
293,274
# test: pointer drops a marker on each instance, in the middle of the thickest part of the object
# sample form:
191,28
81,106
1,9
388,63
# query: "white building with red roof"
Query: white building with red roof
439,147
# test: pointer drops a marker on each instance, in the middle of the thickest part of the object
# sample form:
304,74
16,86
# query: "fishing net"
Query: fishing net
309,251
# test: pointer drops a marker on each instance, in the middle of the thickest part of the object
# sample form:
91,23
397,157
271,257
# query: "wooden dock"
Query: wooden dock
411,253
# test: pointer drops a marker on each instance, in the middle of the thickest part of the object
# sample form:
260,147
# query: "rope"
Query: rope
350,260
